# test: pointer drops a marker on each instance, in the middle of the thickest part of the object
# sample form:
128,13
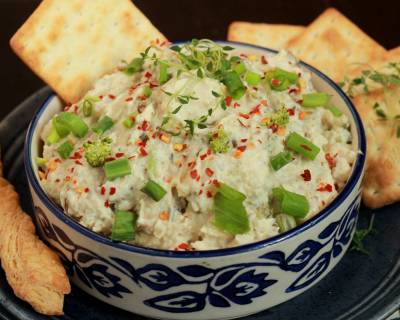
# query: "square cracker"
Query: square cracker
332,43
273,36
72,43
382,175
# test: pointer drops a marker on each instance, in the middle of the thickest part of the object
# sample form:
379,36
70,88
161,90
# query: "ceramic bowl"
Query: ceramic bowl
218,284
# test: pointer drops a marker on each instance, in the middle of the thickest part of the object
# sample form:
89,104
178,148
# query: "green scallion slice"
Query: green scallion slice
291,203
335,111
252,78
147,91
103,125
279,79
154,190
280,160
240,68
53,137
65,150
134,67
234,84
301,145
230,193
73,122
285,222
41,162
117,168
62,129
124,226
128,123
230,215
163,77
315,99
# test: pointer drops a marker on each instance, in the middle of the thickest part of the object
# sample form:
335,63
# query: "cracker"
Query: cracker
273,36
382,175
332,43
70,44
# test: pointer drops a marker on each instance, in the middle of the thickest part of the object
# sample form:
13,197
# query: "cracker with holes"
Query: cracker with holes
379,110
70,44
332,43
274,36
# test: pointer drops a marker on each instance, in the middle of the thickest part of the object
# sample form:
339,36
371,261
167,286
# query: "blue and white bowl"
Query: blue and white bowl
218,284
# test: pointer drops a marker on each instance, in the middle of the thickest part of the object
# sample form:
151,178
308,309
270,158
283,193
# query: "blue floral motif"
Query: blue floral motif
222,287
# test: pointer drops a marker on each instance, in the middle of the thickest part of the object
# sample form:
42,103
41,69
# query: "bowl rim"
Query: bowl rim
349,186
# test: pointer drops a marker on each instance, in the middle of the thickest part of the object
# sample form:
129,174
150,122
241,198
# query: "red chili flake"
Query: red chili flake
208,151
203,156
153,85
76,156
86,190
101,97
244,115
274,127
243,55
291,111
106,204
236,105
336,187
293,90
128,99
243,140
209,194
241,148
305,147
209,172
264,60
183,246
148,74
112,191
191,164
198,178
143,152
256,109
193,174
111,96
200,192
264,102
144,125
142,97
228,101
215,183
119,154
103,190
242,124
141,108
131,157
306,175
57,180
325,188
78,162
331,160
68,178
72,170
110,159
275,82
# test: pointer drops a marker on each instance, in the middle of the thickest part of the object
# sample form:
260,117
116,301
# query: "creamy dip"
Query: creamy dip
191,119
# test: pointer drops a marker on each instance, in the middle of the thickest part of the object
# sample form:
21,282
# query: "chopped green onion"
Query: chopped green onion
280,160
40,162
147,91
124,226
128,123
290,203
285,222
117,168
302,146
103,125
315,99
335,111
53,137
154,190
87,105
65,150
235,87
230,215
134,67
163,72
279,79
62,129
240,68
230,193
252,78
72,121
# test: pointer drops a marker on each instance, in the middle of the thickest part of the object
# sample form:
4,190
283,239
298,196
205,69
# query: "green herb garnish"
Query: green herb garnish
358,239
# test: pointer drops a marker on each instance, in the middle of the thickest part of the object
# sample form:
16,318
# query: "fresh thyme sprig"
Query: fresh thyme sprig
359,236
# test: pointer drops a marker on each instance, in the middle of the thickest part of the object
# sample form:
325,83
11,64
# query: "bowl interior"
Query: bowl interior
321,82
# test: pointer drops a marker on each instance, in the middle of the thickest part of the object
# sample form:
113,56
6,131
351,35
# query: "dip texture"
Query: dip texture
193,148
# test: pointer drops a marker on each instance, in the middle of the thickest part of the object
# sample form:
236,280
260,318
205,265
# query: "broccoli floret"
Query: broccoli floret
219,141
280,117
97,152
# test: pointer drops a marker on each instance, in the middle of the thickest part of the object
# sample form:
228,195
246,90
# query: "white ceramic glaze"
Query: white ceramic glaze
218,284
